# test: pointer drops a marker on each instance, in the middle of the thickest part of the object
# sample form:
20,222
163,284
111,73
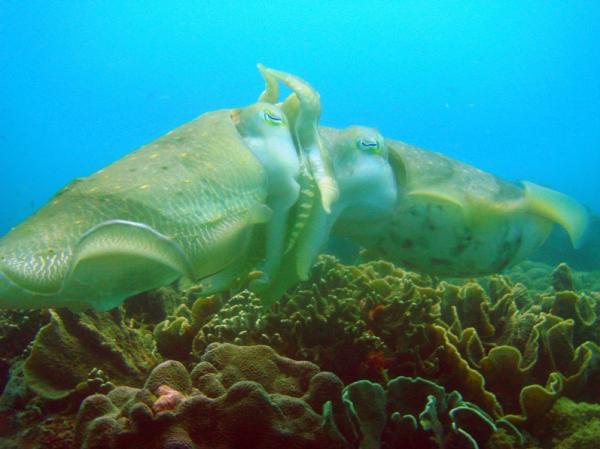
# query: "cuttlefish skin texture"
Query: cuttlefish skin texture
184,204
454,219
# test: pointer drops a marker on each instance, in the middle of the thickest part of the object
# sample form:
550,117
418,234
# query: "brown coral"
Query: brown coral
242,397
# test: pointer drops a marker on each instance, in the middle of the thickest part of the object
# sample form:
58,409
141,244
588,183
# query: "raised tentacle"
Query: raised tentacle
271,92
309,140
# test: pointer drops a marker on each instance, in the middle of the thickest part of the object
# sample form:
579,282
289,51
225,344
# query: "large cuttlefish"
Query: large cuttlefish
262,188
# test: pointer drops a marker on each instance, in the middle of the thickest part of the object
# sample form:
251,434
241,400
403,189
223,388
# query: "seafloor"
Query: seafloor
367,356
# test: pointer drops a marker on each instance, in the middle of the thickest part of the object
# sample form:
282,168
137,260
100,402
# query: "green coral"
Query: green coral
569,425
71,347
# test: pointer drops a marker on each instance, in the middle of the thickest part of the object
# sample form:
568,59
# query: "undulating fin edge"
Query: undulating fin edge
559,208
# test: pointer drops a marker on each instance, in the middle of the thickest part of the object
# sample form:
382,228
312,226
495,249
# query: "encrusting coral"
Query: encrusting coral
569,425
235,397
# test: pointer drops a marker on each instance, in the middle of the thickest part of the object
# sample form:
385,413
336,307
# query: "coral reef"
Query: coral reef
253,398
376,321
426,362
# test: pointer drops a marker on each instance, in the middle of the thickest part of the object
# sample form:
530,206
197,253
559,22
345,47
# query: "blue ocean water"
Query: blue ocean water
511,87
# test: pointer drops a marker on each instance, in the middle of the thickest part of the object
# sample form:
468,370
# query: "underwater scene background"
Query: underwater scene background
363,354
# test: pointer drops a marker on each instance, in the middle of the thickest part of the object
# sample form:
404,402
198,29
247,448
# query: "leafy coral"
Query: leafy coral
416,413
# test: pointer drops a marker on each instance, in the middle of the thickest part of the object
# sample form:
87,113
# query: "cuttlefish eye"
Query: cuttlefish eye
369,144
272,117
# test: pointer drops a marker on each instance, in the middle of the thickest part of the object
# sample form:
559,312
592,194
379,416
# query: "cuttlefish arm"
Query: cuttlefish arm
308,207
305,103
367,195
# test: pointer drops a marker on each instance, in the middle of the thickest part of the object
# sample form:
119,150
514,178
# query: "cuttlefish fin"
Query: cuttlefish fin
559,208
437,196
10,294
475,211
122,258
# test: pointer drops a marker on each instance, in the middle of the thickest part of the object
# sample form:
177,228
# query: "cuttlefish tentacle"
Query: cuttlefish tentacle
307,134
271,92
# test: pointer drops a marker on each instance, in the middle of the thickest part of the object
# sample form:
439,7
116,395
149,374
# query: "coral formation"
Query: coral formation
416,413
569,425
235,397
71,351
425,362
226,401
17,330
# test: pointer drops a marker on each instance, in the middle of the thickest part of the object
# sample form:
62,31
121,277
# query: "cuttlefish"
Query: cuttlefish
262,188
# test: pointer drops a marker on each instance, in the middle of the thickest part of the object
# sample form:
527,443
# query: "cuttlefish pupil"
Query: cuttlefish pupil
369,144
272,118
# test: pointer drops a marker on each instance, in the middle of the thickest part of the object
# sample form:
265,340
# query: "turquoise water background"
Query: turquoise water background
511,87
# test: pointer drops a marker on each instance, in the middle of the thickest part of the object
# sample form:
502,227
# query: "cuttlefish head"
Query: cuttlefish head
264,127
259,119
367,183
